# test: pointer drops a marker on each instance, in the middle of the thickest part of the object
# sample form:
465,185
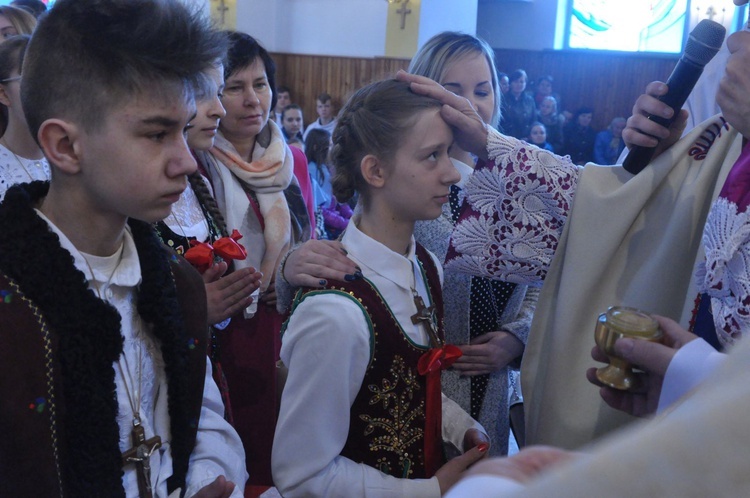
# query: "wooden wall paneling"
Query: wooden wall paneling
309,75
607,82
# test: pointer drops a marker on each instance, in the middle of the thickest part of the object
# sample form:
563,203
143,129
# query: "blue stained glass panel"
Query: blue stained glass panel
632,25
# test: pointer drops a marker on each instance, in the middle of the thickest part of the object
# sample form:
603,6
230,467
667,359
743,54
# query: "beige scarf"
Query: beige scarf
267,175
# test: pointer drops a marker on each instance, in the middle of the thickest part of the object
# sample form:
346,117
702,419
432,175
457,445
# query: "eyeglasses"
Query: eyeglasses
8,80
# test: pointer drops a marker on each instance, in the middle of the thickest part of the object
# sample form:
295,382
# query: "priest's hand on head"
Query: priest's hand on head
469,129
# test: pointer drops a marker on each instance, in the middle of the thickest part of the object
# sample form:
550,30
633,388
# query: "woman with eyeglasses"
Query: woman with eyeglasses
21,159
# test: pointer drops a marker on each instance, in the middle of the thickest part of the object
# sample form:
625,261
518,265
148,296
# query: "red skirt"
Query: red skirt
249,350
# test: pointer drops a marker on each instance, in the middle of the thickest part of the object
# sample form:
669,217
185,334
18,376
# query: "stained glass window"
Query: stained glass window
632,25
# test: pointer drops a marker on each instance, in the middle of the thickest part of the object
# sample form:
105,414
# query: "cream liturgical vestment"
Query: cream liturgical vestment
693,450
626,240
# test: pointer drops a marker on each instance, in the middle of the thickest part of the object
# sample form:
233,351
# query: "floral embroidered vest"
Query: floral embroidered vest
387,419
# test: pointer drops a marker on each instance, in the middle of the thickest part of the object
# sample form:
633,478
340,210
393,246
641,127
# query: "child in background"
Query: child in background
21,159
609,143
15,21
553,122
326,115
284,98
196,217
317,145
363,391
335,215
538,137
106,332
291,124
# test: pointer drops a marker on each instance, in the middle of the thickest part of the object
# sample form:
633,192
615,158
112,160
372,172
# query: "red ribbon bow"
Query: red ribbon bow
430,364
202,254
438,359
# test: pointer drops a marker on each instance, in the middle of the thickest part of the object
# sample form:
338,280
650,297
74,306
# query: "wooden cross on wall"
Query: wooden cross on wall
403,11
222,8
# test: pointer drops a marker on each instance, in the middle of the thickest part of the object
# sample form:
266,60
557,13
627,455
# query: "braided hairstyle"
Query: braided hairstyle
208,202
373,121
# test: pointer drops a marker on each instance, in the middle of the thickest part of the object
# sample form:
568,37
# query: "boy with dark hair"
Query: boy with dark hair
326,115
283,99
103,330
292,125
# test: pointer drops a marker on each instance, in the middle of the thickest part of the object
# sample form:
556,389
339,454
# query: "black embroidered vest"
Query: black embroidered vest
387,419
58,342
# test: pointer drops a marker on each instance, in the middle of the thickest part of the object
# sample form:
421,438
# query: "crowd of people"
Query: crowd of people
536,116
330,216
199,294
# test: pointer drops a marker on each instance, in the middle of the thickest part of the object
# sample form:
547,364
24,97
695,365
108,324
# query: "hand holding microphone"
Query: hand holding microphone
703,44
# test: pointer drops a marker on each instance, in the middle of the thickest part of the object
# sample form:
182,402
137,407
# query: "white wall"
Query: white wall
354,28
447,15
260,18
518,25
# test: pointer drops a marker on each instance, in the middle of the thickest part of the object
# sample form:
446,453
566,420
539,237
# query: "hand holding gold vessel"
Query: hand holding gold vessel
618,322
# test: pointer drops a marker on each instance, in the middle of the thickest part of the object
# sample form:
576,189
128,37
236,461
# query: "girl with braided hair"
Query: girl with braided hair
362,412
196,217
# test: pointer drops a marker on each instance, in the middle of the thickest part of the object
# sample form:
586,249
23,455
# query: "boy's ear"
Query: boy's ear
60,142
4,97
372,171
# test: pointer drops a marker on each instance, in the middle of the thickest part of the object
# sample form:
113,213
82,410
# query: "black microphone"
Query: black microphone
703,43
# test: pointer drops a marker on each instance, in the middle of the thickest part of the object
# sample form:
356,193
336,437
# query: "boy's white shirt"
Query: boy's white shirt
329,127
218,449
327,349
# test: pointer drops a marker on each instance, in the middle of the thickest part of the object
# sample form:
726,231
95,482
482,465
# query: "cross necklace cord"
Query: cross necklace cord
142,449
425,314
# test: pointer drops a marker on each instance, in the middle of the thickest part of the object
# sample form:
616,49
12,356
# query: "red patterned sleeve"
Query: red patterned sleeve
514,210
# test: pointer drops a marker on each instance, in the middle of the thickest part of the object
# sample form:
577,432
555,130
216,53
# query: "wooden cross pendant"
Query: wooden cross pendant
424,314
140,455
